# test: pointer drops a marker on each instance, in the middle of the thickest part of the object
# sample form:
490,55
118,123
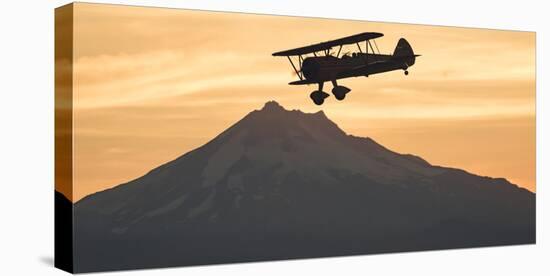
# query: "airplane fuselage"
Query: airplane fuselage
328,68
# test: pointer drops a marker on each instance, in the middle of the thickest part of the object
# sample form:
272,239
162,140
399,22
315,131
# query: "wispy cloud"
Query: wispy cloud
151,84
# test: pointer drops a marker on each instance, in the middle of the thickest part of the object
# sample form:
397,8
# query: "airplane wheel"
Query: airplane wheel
406,73
318,101
340,92
318,97
340,96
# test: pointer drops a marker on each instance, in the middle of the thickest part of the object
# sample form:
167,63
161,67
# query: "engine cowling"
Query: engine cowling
310,68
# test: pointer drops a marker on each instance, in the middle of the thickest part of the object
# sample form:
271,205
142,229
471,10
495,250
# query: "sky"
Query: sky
151,84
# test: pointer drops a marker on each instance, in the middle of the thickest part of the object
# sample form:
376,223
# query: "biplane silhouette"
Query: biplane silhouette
327,66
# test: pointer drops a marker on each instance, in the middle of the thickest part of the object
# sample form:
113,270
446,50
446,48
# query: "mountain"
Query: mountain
284,184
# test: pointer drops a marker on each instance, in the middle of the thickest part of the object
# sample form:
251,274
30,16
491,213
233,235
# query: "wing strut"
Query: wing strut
372,47
295,70
378,50
360,51
338,55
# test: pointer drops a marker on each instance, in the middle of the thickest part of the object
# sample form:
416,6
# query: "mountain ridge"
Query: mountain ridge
273,106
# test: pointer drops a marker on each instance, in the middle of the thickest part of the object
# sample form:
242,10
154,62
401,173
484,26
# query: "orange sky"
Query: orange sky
151,84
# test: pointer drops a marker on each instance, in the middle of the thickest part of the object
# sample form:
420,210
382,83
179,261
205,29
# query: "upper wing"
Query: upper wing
329,44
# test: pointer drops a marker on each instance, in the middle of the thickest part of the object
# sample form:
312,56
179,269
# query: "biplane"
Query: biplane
324,65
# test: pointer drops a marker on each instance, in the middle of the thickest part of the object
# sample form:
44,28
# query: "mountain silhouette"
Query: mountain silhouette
283,184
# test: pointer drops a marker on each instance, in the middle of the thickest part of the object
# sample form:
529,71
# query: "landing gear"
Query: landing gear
319,96
405,67
338,91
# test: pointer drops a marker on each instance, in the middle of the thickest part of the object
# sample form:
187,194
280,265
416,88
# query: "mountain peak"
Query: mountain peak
273,113
321,114
272,106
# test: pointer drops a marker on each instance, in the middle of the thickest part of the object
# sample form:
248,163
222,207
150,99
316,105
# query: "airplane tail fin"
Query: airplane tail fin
404,50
